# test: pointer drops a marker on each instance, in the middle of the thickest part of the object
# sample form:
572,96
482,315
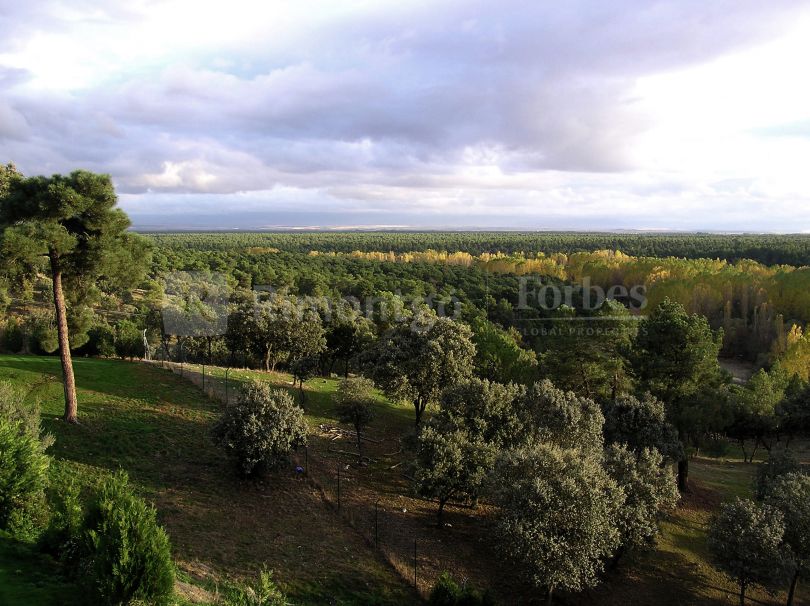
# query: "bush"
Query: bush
13,336
100,342
262,592
62,537
127,555
261,428
23,463
446,592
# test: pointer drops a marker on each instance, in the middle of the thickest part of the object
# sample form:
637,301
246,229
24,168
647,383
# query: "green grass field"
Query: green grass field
155,424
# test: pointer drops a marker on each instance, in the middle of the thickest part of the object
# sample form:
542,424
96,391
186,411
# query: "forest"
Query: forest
551,391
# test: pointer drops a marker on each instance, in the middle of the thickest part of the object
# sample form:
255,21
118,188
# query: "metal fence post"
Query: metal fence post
376,522
415,584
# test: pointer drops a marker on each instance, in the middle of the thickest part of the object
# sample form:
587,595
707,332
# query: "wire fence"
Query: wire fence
382,519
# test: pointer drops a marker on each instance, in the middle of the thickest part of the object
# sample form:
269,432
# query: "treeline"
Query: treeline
770,249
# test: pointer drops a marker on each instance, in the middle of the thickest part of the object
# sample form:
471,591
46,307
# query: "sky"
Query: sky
583,114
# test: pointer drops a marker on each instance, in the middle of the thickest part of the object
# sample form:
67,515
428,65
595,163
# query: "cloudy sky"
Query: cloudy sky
583,114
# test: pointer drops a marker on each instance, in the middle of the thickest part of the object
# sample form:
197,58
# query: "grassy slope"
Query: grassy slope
154,424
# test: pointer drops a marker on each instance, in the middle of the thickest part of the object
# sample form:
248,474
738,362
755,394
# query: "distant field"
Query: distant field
155,424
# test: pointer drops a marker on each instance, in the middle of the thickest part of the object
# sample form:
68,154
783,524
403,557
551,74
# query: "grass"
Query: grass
155,424
30,579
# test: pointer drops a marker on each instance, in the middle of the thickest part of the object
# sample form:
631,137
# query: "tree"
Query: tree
562,417
753,411
285,331
347,334
499,355
355,405
261,428
649,490
458,446
450,463
790,494
641,423
558,515
777,465
745,540
415,362
674,357
128,340
793,411
73,223
485,409
303,369
589,361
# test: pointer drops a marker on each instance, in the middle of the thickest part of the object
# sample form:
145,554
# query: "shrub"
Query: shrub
62,537
262,592
23,463
446,592
100,341
13,336
261,428
15,410
127,555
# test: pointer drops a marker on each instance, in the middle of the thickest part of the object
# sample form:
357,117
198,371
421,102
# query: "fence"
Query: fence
413,550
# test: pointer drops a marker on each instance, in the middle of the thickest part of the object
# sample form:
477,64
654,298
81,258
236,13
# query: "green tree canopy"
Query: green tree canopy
674,357
558,515
417,360
70,221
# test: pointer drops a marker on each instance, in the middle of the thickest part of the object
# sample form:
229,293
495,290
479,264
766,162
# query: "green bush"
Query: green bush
261,428
13,336
63,536
101,341
262,592
23,464
446,592
127,555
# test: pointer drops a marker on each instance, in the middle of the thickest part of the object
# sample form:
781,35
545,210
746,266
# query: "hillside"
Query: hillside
155,424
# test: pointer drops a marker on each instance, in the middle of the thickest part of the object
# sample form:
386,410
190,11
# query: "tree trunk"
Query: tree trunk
359,443
792,590
267,360
417,406
69,381
550,596
683,474
745,453
442,502
742,594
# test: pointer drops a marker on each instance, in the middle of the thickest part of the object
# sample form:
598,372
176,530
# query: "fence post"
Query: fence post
203,370
227,370
415,583
376,522
338,486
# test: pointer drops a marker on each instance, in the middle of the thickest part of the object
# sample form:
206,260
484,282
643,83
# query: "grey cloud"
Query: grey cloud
395,97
